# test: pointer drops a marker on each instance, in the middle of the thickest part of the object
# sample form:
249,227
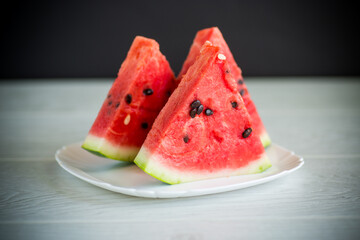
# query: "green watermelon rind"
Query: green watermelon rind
148,164
265,140
101,147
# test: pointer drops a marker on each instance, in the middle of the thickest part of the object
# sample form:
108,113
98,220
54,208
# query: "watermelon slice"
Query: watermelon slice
214,35
204,131
142,87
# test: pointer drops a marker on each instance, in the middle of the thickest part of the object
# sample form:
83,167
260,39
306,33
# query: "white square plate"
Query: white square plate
128,179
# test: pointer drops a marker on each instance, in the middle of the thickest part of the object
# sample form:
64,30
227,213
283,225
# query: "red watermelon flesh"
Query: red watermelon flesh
141,89
214,35
216,142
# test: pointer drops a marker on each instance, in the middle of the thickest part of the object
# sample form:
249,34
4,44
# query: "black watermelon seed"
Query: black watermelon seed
193,112
195,104
108,96
186,139
200,109
109,103
128,98
242,91
227,71
234,104
241,82
117,105
247,132
208,112
144,125
168,93
148,91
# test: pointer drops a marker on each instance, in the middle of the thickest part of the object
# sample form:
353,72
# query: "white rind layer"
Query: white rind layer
151,164
102,147
265,140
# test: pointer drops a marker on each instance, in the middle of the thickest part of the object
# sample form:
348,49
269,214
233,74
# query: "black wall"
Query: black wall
91,38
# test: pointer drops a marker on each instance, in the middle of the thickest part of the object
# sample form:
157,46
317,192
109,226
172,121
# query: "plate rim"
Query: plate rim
178,193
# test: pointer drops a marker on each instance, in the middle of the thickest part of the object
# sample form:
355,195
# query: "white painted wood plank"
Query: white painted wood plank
309,116
324,134
42,191
30,136
53,96
207,229
278,94
273,94
315,118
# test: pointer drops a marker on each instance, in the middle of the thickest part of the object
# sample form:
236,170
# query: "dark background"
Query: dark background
41,39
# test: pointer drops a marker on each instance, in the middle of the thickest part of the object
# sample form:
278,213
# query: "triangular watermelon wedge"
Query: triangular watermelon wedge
204,130
142,87
214,35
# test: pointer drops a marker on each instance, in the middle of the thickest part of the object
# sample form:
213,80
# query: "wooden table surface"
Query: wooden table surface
317,118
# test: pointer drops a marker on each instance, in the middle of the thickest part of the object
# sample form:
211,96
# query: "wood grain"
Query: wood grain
322,188
283,229
317,119
38,118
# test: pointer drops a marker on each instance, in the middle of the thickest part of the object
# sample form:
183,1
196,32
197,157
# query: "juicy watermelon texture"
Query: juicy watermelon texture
215,145
121,124
215,37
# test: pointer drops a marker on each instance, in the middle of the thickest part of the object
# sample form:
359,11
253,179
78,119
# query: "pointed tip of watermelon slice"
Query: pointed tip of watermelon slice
100,147
151,164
